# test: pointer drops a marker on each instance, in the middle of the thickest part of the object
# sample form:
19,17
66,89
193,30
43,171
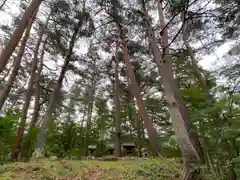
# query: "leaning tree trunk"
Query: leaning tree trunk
16,66
117,106
152,133
27,143
18,32
28,95
3,79
190,127
42,134
138,125
179,116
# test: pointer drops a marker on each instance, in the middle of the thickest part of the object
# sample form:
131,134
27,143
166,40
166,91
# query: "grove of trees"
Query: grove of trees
80,73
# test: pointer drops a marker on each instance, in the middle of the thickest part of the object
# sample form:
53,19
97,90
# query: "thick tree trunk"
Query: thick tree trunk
3,4
18,32
42,134
117,106
152,134
176,107
16,66
27,143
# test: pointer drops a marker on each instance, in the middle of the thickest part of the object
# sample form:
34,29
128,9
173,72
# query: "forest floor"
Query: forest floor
149,169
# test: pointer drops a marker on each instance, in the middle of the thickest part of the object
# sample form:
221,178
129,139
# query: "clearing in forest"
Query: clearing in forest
151,169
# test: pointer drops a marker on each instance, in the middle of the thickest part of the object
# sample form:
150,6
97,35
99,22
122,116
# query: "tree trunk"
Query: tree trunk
16,66
84,114
139,127
3,3
29,93
176,107
89,111
3,79
42,134
28,97
18,32
152,134
27,143
117,106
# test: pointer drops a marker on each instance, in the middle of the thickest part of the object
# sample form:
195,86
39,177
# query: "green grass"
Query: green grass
152,169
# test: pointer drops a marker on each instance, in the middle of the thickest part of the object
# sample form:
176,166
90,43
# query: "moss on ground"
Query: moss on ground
151,169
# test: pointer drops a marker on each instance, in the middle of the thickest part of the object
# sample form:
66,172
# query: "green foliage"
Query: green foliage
157,171
8,128
107,170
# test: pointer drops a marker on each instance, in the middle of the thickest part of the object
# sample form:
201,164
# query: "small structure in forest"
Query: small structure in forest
127,148
110,148
92,149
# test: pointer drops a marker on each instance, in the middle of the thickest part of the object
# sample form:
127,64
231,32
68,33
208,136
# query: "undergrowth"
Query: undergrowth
151,169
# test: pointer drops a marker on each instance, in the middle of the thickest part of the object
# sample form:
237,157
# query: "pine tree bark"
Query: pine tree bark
30,12
28,96
177,109
16,66
190,127
117,106
42,134
152,134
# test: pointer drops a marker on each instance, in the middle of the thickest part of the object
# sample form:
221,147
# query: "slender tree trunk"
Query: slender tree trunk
42,134
27,143
84,114
16,66
89,111
29,93
3,3
28,97
176,106
88,126
139,127
18,95
117,106
3,79
70,123
18,32
156,150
